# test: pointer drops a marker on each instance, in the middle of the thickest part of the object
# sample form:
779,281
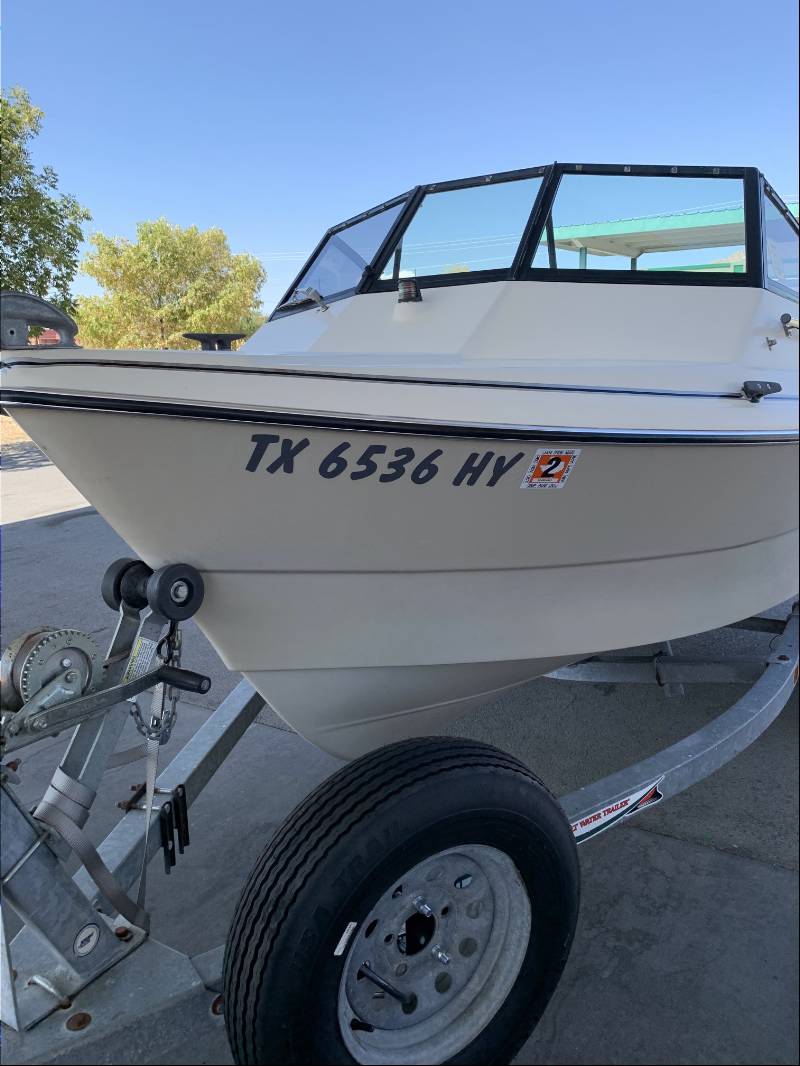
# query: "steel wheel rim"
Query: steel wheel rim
455,965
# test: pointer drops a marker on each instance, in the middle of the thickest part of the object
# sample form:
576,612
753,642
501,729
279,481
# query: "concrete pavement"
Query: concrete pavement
686,950
32,486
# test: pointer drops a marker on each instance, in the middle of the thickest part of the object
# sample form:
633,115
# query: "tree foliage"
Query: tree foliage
40,228
168,282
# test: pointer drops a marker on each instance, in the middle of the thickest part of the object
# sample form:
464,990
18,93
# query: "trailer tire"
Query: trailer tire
358,848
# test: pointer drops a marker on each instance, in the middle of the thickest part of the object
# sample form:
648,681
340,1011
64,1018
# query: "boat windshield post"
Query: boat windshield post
754,225
392,246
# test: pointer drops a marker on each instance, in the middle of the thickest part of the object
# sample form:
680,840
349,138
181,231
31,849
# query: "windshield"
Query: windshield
781,244
565,222
461,230
340,264
615,222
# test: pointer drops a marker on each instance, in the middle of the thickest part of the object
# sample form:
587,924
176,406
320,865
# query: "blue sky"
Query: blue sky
274,121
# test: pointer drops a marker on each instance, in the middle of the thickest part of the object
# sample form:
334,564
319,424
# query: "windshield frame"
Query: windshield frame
767,192
283,308
378,284
753,276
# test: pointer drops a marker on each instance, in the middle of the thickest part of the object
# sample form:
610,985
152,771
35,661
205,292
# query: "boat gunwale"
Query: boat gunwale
391,379
391,426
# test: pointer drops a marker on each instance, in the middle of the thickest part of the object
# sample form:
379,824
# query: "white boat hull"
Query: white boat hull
366,610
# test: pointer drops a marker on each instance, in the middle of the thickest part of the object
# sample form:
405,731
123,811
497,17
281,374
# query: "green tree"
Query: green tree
40,228
168,282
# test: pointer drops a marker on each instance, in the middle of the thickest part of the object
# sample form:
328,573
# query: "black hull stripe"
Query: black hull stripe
388,379
355,423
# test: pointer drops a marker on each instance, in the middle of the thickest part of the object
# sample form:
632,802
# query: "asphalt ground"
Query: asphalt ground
687,944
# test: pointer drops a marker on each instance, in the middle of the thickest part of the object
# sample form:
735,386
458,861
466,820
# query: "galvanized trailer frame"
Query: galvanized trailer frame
140,994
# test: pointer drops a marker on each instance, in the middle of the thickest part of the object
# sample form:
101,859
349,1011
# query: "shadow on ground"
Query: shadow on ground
23,455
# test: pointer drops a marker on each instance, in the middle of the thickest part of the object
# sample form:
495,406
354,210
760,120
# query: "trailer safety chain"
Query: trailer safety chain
161,727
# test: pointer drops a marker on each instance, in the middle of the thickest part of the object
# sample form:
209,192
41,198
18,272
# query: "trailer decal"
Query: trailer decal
598,821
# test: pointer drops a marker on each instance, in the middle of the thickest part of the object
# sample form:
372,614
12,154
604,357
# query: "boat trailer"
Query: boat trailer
83,954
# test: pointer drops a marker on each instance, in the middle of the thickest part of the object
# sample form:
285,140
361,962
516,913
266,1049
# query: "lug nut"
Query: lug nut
66,663
440,955
422,907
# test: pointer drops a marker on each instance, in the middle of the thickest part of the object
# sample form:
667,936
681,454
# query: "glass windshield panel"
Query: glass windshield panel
781,244
620,222
460,230
345,255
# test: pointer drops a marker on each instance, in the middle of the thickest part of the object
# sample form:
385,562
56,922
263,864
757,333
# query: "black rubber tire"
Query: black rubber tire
343,847
112,579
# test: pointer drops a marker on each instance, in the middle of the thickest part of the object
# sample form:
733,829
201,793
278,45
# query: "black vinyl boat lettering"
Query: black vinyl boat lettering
334,462
502,467
262,441
368,464
284,461
474,465
289,451
402,457
426,470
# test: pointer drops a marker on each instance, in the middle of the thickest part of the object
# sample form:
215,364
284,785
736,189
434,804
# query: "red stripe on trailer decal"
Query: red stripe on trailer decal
598,821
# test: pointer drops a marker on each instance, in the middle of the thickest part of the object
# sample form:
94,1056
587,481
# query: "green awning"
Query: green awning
721,227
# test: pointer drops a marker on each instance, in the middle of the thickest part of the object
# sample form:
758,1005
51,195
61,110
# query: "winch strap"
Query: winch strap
74,789
96,868
71,797
76,812
153,745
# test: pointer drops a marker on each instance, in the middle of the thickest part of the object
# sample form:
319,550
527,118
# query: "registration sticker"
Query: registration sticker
550,468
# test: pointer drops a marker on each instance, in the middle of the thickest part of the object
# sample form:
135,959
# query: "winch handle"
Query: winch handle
186,680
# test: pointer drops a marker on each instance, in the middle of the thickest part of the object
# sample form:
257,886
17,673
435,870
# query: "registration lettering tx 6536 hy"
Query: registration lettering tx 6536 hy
273,454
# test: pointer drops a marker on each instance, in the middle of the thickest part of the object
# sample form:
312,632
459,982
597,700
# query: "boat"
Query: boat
495,426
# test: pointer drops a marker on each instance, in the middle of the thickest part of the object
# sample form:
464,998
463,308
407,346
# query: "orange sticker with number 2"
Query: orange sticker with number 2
550,468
